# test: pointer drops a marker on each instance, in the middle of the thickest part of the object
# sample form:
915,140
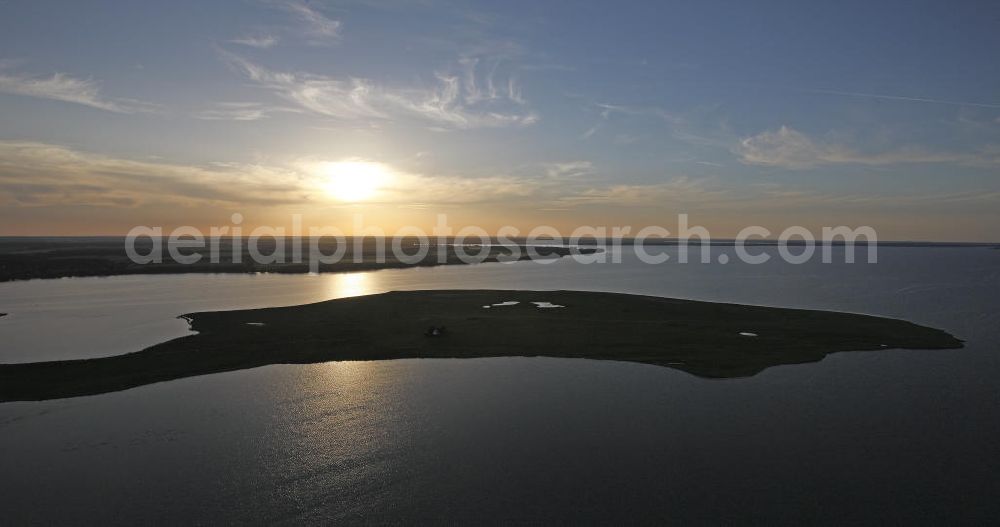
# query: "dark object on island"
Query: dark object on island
434,331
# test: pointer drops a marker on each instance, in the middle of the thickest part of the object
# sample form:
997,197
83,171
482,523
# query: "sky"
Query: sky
117,114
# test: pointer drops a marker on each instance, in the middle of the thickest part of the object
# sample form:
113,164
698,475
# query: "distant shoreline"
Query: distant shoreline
705,339
28,259
16,239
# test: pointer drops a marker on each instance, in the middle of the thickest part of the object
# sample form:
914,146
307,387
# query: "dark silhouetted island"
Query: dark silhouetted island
702,338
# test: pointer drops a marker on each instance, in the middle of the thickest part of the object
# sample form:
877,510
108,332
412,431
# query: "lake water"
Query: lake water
897,436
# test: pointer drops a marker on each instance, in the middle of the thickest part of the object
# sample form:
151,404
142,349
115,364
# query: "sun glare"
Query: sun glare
354,181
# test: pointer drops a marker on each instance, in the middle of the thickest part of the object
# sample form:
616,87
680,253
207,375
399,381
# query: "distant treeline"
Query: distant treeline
37,257
24,258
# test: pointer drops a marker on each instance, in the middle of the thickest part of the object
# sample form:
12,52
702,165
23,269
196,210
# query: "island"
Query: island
706,339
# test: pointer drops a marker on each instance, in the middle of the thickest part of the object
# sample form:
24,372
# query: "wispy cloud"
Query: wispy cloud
257,41
676,190
310,25
569,169
480,83
789,148
452,103
607,110
39,174
318,27
709,193
450,189
242,111
905,98
62,87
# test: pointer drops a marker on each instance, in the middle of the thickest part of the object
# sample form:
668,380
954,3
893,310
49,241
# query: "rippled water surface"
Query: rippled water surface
876,437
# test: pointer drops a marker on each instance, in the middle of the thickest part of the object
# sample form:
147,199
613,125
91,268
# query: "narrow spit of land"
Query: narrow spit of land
702,338
28,258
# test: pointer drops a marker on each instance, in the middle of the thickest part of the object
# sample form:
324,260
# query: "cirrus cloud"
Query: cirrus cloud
452,103
65,88
789,148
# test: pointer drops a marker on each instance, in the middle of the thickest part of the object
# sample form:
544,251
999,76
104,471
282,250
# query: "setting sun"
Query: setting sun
354,181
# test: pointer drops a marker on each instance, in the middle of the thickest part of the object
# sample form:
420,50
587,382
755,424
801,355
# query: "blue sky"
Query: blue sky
114,114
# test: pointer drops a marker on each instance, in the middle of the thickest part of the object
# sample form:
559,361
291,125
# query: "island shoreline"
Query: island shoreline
706,339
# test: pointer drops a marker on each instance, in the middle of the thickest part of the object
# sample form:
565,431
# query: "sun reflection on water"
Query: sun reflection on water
343,285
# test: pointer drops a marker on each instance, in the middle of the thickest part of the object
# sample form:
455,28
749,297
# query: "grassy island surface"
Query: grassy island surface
702,338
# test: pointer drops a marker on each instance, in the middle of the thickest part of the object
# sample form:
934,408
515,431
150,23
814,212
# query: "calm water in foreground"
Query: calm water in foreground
898,436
